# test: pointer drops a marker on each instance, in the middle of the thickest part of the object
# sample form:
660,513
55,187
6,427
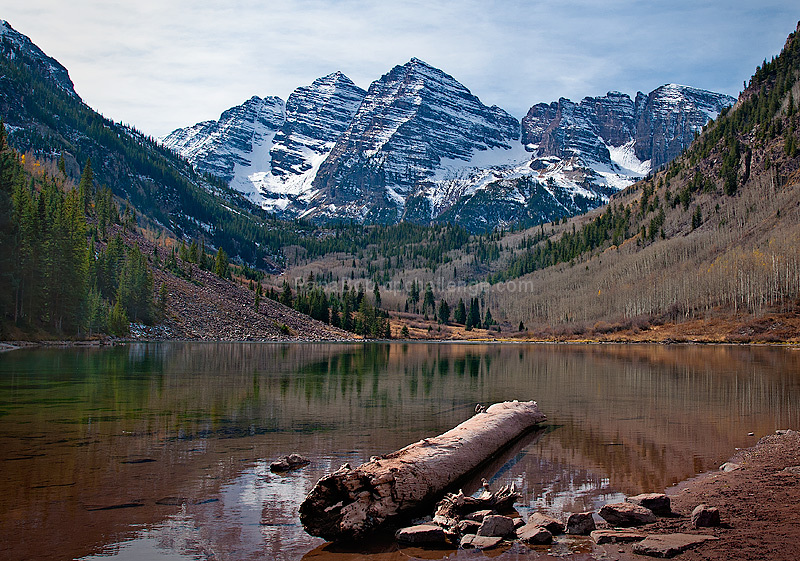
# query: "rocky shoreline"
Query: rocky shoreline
743,511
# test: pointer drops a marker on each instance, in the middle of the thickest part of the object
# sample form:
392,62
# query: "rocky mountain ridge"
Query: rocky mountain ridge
13,43
418,146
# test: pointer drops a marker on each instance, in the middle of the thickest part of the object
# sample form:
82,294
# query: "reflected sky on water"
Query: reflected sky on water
162,451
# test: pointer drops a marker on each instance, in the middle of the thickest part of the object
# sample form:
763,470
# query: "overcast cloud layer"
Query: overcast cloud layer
163,64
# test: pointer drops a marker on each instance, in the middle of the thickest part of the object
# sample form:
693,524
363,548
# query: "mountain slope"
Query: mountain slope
217,147
714,236
268,150
46,117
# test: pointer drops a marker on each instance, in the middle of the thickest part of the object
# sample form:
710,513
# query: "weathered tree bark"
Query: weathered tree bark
350,503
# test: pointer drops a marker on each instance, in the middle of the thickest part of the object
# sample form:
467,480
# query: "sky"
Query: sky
164,64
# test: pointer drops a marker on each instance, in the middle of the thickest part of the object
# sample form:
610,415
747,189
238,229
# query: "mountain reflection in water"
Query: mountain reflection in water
162,451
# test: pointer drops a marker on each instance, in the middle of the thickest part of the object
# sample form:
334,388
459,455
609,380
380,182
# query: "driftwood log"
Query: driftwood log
351,503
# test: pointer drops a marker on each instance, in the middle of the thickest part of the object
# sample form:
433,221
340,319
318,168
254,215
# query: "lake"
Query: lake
162,451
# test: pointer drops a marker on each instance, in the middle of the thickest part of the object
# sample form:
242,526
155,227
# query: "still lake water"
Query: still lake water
162,451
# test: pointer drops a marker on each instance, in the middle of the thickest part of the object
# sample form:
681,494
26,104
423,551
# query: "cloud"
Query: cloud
169,63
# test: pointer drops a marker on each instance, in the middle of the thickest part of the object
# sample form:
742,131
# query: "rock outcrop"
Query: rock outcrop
233,141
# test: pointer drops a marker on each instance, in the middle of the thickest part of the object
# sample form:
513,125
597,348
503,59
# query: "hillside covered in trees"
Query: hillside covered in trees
73,264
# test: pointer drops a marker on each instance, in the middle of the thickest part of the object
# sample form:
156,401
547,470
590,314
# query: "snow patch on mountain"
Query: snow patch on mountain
625,157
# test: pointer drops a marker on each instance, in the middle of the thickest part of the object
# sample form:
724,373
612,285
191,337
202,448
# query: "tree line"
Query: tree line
62,272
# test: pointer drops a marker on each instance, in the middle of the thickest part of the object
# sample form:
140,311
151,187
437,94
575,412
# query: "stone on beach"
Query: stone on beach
669,545
472,541
553,525
467,527
422,534
627,514
496,525
704,516
580,523
601,537
535,535
656,502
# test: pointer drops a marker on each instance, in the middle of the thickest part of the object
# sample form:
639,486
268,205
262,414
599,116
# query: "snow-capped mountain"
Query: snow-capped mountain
412,120
270,150
668,118
316,116
419,146
233,142
613,129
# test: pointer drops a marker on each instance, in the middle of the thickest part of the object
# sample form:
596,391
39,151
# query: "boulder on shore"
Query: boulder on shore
422,534
627,514
669,545
496,525
656,502
472,541
601,537
704,516
534,535
552,525
580,523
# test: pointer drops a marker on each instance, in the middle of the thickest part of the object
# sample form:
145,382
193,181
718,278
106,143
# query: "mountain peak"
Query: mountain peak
50,68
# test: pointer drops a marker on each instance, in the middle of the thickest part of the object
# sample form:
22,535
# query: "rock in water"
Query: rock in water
426,534
292,461
496,525
627,514
471,541
551,524
352,503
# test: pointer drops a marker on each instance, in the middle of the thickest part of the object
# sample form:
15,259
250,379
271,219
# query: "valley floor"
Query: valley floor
775,328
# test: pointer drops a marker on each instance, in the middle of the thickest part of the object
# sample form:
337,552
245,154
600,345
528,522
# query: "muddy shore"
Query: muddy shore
757,501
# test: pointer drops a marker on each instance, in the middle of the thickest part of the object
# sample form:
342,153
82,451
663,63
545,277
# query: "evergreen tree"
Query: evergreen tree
473,315
118,323
460,315
97,313
488,320
86,185
163,293
376,293
428,302
135,292
413,295
221,264
286,297
444,311
9,168
257,301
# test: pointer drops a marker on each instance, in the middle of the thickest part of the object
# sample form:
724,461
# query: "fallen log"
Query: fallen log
351,503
